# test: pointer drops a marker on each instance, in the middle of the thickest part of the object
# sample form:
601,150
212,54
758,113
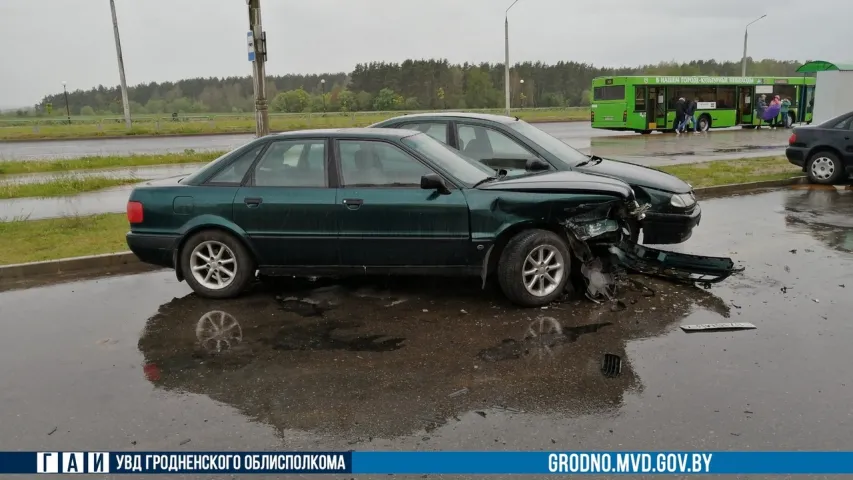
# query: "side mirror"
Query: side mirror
432,181
536,165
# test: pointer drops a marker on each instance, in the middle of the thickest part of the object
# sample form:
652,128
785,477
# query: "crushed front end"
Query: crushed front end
600,236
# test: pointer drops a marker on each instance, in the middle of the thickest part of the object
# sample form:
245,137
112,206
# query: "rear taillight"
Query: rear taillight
134,212
624,116
793,139
592,115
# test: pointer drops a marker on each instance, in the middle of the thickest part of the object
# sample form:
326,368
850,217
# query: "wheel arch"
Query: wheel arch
823,148
510,231
231,229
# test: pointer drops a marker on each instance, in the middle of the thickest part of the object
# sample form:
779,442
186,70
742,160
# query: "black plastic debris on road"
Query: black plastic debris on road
717,327
611,365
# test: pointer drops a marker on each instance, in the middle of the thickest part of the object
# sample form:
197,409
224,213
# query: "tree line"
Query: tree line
410,85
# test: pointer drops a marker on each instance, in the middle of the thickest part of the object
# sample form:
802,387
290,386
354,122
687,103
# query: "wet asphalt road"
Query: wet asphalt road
139,363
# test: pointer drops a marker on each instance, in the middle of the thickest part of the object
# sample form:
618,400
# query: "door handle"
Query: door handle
353,203
253,202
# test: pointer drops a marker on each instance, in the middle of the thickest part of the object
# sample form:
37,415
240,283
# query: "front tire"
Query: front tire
534,268
216,264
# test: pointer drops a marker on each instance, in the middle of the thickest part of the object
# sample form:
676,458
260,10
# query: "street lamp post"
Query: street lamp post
745,33
506,53
521,94
323,89
67,109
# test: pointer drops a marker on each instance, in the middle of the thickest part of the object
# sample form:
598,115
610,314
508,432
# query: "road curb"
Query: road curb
710,192
209,134
112,262
122,262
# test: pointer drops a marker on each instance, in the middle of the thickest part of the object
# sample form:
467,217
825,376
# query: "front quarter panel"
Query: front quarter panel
495,212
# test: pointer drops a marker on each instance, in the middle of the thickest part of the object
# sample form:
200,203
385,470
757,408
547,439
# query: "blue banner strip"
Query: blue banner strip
473,463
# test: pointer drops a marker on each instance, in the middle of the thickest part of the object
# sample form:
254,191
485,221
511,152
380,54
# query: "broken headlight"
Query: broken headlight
595,228
683,200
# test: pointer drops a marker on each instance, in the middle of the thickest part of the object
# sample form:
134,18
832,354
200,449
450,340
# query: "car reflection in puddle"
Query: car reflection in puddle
824,213
386,362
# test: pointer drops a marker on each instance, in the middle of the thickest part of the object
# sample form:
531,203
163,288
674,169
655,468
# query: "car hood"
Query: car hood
637,175
566,181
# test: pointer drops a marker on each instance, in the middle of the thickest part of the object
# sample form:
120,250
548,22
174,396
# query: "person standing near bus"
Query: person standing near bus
776,105
786,105
680,115
692,106
760,106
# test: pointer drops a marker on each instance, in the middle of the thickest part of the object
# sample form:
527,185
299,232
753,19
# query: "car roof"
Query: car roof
362,132
479,116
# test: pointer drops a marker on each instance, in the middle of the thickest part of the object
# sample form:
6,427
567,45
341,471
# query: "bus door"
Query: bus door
806,104
745,97
657,100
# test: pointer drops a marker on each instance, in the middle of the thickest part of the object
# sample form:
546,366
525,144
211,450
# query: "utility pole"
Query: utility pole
124,100
506,59
745,33
258,56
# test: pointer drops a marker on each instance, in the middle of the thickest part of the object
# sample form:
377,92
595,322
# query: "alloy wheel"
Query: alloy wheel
543,270
213,264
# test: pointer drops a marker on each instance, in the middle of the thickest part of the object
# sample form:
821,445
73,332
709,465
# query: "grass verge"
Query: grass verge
727,172
58,187
112,161
36,240
223,123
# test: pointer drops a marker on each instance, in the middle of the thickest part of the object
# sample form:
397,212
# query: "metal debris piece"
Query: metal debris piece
482,414
397,302
53,431
787,269
617,306
815,300
458,393
672,265
611,365
794,251
708,327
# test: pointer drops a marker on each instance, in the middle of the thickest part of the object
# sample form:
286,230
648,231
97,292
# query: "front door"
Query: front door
659,101
287,208
494,148
386,220
744,105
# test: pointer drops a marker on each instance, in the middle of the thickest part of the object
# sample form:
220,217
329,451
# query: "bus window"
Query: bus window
640,99
612,92
786,91
726,97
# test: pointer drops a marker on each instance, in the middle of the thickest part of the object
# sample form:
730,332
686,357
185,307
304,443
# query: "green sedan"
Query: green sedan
374,201
513,145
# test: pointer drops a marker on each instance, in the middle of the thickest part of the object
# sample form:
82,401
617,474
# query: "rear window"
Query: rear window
610,92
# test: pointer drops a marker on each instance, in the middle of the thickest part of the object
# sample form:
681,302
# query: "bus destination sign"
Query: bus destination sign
704,80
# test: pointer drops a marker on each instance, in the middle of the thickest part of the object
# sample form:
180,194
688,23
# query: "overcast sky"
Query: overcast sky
43,42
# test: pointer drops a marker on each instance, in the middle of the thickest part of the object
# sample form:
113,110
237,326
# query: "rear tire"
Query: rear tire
216,264
824,168
704,123
534,268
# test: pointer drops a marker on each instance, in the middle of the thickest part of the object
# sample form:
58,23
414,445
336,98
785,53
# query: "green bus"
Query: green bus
647,103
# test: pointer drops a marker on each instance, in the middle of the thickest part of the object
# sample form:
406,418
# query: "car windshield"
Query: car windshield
567,154
464,169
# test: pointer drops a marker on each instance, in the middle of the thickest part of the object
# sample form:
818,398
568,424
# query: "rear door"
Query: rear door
385,219
286,206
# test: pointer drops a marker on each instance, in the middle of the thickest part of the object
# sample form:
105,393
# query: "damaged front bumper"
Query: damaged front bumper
680,267
600,237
